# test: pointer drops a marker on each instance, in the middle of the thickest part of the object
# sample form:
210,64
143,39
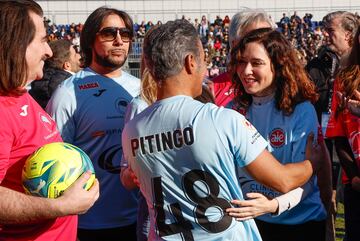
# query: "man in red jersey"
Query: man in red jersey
24,128
241,23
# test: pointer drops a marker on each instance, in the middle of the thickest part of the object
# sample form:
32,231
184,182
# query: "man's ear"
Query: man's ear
190,63
67,65
348,36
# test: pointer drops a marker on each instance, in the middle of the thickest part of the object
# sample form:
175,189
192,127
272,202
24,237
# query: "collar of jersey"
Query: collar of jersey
263,100
173,98
95,73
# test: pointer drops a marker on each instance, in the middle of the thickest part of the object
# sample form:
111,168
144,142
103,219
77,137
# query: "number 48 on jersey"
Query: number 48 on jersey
201,202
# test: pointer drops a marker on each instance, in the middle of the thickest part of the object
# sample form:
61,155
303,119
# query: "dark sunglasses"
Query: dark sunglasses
110,34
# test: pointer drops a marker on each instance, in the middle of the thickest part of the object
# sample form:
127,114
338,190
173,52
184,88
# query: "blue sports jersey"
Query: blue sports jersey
286,136
89,110
185,155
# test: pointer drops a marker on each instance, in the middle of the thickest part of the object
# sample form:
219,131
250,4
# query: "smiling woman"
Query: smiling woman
275,94
255,71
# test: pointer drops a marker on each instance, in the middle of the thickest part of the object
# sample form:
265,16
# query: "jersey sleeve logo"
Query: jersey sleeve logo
24,111
46,121
277,137
248,125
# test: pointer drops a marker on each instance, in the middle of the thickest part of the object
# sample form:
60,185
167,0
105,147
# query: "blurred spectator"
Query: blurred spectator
218,21
284,20
64,63
307,19
203,29
141,30
196,24
295,17
217,44
214,71
344,125
148,26
226,21
340,27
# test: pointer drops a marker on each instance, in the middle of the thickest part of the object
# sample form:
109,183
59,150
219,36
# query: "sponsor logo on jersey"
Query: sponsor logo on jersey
248,185
46,120
49,125
99,93
98,134
248,125
103,133
24,111
229,92
277,137
89,86
121,104
107,159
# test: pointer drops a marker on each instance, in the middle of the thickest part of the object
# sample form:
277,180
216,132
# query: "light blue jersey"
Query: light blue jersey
143,223
135,107
89,110
185,155
286,136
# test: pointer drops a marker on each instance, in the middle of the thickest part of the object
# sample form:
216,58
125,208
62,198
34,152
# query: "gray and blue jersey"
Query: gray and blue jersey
89,110
185,155
286,137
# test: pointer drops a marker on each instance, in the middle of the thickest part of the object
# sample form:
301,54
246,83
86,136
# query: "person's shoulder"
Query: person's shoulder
10,104
304,105
221,114
129,76
77,79
54,73
138,103
305,110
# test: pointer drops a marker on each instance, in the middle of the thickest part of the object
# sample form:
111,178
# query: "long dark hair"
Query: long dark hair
292,83
92,26
17,30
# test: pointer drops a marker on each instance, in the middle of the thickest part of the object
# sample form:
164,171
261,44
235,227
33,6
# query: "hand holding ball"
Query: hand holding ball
53,168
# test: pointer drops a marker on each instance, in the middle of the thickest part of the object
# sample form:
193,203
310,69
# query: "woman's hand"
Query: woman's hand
257,205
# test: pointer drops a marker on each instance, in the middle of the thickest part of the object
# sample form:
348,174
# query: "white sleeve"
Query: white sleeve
135,107
61,108
290,199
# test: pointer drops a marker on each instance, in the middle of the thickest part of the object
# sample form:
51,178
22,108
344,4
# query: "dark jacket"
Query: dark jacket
322,74
41,90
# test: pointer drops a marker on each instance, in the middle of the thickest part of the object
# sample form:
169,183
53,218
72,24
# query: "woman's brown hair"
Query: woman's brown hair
349,75
293,86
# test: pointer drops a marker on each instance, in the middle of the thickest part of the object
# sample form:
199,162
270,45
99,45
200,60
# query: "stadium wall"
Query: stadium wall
64,12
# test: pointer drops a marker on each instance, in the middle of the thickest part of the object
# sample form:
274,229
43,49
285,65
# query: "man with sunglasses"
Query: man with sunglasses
89,111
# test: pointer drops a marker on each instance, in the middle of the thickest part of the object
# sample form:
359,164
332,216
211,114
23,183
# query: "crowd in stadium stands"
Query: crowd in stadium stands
304,34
